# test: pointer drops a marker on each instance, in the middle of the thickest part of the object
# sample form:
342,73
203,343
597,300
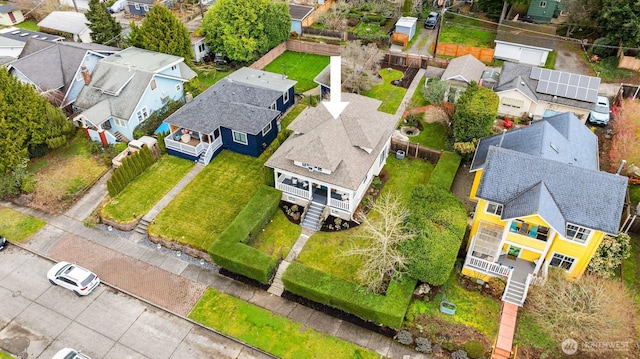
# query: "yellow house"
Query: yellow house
541,201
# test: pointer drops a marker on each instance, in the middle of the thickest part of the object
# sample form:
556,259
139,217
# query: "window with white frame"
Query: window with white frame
146,7
382,156
137,6
512,102
266,129
543,4
240,137
285,97
562,261
494,208
142,114
118,122
577,233
174,67
273,106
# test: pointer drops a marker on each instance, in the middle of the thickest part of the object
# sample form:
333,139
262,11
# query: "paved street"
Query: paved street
38,319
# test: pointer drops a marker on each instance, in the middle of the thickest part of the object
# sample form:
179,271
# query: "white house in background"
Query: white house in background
529,91
199,48
407,25
329,163
71,22
10,14
524,43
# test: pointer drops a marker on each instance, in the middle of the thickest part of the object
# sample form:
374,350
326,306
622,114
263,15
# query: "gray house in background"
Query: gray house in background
462,70
298,15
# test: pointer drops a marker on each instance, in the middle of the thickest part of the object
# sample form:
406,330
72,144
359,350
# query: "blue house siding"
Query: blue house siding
296,26
255,146
90,61
284,106
140,11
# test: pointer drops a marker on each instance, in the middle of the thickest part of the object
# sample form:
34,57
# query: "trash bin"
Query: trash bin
399,155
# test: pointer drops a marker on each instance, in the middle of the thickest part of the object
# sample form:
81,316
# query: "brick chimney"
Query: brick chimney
86,75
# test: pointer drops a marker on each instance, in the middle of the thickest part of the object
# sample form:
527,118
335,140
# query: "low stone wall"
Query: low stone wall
188,250
120,226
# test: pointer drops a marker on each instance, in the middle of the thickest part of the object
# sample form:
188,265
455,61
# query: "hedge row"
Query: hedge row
445,171
230,250
349,297
132,166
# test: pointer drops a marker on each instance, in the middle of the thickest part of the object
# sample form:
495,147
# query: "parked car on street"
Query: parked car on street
3,242
68,353
431,21
528,18
73,277
601,114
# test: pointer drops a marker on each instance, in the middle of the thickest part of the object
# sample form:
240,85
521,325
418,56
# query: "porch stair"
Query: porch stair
514,293
277,287
120,137
313,216
142,226
205,158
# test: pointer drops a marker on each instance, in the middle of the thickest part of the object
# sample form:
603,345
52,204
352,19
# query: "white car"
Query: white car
68,353
73,277
600,115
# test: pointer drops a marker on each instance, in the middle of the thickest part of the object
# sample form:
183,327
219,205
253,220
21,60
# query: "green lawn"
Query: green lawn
631,275
206,206
323,249
277,335
278,237
300,67
530,334
473,309
4,355
390,95
609,71
634,193
28,25
468,32
146,190
362,28
417,100
16,226
551,60
208,75
433,135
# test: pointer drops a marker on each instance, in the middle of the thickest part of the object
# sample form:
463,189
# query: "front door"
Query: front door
513,252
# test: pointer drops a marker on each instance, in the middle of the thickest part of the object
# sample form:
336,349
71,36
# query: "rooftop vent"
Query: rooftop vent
14,32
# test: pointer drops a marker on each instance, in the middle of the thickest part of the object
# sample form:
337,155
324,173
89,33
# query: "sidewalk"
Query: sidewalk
177,283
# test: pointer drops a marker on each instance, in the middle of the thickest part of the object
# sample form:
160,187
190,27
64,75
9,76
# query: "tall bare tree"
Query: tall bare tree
360,66
384,231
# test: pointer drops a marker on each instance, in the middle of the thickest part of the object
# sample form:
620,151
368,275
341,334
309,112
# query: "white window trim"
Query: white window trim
498,205
145,7
543,3
573,265
136,6
512,102
573,240
142,114
118,122
285,97
178,87
266,129
233,135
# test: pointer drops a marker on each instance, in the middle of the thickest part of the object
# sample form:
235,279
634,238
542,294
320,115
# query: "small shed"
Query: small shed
407,25
10,14
74,23
199,48
298,15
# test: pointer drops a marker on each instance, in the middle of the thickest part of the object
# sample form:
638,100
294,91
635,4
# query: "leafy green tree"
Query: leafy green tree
434,91
619,21
104,27
476,110
609,256
439,220
162,31
243,30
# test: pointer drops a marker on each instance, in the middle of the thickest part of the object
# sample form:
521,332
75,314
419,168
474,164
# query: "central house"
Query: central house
327,164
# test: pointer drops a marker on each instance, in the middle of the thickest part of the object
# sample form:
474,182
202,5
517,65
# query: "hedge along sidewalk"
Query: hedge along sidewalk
146,190
231,251
445,171
272,333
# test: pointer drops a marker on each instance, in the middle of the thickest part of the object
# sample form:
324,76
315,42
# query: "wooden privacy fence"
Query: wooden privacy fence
628,62
456,50
414,150
296,46
406,60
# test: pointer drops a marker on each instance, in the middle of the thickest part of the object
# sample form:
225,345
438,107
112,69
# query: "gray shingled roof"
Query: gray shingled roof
529,185
23,35
515,32
7,8
576,144
228,104
518,76
335,144
299,12
464,68
261,78
65,21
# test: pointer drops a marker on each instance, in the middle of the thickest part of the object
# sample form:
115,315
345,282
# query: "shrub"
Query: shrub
474,349
29,183
149,126
445,171
459,354
405,337
230,251
609,255
423,345
475,112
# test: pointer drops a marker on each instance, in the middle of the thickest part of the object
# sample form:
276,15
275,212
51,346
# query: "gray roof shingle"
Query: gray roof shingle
517,32
299,12
516,76
7,8
65,21
528,185
464,68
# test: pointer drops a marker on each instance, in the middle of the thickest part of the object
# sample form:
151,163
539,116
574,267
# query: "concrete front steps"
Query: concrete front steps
514,293
313,216
142,226
277,287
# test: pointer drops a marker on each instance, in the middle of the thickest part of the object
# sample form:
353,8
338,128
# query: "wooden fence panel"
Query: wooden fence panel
414,150
628,62
455,50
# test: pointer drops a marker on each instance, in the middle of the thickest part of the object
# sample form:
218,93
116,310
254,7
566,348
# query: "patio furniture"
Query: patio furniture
533,232
185,138
294,181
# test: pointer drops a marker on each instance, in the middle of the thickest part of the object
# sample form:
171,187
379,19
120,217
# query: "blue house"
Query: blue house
240,113
142,7
299,14
125,88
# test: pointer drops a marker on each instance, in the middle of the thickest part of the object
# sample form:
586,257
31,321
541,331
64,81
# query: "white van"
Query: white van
117,6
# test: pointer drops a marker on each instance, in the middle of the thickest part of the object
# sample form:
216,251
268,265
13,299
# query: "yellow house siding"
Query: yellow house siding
527,105
474,186
475,274
582,253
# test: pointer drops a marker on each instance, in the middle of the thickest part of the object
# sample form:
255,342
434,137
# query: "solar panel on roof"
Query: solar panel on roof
564,84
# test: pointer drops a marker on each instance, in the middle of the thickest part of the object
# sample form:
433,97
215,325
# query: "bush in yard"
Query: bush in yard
475,112
440,221
149,126
404,337
609,255
466,149
230,251
459,354
445,171
161,144
434,91
474,349
423,345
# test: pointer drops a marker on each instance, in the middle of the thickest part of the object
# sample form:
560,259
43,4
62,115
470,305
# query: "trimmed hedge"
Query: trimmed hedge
349,297
230,251
445,171
132,166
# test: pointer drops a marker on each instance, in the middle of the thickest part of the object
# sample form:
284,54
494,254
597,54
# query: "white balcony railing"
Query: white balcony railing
339,204
183,147
486,266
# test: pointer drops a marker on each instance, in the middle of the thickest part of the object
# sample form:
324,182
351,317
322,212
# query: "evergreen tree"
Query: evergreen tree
111,188
162,31
104,27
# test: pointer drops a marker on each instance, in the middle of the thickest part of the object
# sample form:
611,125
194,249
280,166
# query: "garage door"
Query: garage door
531,57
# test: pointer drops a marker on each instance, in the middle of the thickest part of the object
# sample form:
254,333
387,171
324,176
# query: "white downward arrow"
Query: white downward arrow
335,106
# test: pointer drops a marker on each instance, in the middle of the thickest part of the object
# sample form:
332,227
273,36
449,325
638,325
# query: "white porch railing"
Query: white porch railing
211,149
339,204
300,192
183,147
489,267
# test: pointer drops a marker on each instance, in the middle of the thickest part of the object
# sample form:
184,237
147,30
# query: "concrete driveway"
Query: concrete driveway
38,319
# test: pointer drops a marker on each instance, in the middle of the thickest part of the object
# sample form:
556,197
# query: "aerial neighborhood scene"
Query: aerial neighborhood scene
401,179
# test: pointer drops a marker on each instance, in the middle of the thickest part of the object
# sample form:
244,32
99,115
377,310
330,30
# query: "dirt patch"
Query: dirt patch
449,336
409,73
462,186
570,59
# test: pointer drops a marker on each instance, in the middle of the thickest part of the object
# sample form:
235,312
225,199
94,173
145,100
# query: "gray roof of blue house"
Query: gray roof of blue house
561,138
559,192
240,106
261,78
516,76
